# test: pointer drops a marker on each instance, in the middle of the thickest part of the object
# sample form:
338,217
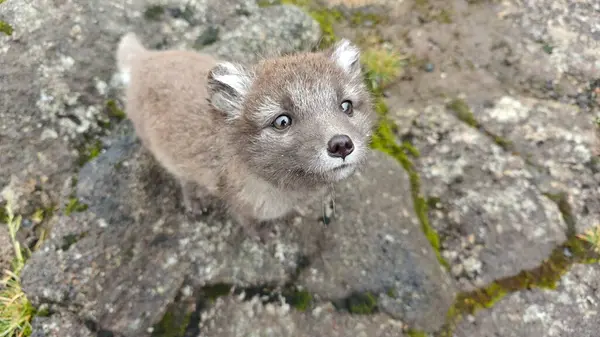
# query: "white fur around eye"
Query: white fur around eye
346,55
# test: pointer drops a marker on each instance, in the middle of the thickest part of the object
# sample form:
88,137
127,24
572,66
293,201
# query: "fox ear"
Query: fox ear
228,85
346,55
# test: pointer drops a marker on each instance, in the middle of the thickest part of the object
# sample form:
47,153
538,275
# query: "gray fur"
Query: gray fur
208,122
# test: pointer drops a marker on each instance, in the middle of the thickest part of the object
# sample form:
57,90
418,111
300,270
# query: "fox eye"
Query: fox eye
282,122
346,107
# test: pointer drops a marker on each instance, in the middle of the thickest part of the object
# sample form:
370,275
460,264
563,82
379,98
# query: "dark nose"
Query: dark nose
340,146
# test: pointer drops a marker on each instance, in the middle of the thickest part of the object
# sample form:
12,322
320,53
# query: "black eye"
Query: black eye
347,107
282,122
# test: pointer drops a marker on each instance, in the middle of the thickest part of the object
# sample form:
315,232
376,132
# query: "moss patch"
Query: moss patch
429,12
384,140
359,303
382,66
416,333
154,13
74,205
71,239
173,324
463,112
89,151
562,202
299,299
113,110
6,28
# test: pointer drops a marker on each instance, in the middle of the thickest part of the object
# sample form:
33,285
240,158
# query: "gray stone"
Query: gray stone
570,310
561,141
569,31
59,325
277,29
377,246
122,261
230,317
489,209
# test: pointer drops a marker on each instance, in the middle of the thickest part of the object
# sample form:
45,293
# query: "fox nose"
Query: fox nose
340,146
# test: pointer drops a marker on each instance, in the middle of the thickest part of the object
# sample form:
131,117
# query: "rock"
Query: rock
488,207
231,317
50,71
123,260
560,141
570,310
120,263
377,246
59,325
568,32
274,29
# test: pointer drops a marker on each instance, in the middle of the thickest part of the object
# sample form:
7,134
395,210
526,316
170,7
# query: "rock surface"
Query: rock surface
134,240
570,310
500,105
493,219
60,325
377,246
560,142
569,32
231,317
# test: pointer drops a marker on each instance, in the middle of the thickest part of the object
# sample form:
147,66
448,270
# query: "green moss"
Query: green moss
6,28
154,13
415,333
433,202
463,112
546,276
362,304
113,110
173,324
265,3
548,49
71,239
381,66
429,12
504,143
445,16
384,140
215,291
301,300
562,202
392,293
68,241
74,206
89,151
3,214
